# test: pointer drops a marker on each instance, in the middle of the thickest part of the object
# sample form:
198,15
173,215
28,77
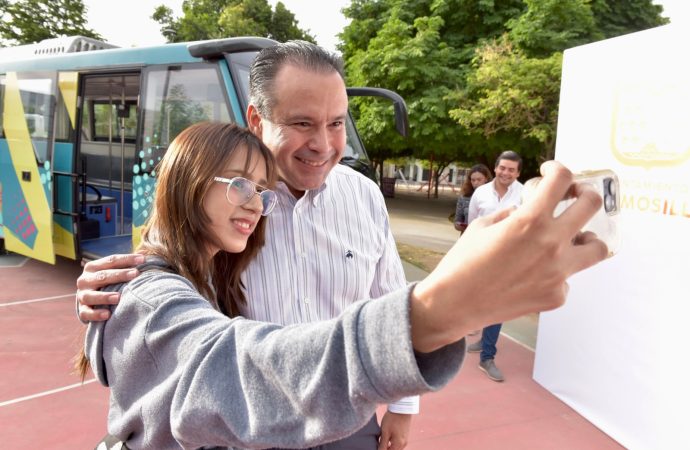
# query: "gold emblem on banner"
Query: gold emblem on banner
651,125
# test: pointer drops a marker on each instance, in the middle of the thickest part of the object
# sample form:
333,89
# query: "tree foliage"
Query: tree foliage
550,26
215,19
416,48
510,92
479,76
515,83
30,21
614,18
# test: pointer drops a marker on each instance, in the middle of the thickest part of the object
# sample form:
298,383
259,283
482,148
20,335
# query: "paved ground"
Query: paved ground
421,221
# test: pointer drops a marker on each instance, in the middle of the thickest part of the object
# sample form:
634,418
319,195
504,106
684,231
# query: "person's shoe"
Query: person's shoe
475,348
489,367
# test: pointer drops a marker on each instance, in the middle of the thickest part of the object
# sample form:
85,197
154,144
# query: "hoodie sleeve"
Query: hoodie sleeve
234,382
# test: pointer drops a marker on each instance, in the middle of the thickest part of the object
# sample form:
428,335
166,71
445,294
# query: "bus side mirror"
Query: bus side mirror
399,107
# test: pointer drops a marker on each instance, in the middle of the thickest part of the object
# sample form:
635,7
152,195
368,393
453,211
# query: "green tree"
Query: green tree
512,93
214,19
514,86
418,49
29,21
401,56
614,18
550,26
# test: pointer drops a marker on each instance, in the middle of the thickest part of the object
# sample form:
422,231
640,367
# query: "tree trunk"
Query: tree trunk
431,175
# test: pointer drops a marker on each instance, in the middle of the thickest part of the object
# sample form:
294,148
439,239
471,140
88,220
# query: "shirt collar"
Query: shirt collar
511,188
312,196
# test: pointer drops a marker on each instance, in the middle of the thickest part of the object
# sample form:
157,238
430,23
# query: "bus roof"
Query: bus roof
54,46
133,57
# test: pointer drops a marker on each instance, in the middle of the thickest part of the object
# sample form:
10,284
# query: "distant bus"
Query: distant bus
83,126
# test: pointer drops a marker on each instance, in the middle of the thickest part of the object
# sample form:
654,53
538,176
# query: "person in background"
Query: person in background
504,192
479,174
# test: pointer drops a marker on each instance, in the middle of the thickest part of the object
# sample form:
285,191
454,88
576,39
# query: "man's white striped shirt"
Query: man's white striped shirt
324,251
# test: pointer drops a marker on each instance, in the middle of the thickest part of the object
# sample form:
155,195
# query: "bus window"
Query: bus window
104,113
62,124
109,106
179,96
39,103
240,64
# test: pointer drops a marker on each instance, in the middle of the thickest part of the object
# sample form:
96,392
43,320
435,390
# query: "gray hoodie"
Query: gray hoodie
183,375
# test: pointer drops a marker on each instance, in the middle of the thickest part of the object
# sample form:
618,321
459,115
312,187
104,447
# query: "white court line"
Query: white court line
14,266
518,342
35,300
44,393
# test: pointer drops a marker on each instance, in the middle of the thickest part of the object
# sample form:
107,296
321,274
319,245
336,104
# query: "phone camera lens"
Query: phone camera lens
610,186
609,203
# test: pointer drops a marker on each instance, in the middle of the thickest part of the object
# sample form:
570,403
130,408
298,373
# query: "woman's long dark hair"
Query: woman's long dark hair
178,229
467,190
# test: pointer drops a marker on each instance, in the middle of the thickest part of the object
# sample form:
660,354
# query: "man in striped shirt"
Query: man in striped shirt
328,240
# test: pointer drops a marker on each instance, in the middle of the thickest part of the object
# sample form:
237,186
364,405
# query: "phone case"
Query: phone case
605,223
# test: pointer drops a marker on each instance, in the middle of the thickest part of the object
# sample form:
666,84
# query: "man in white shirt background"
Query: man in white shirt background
502,193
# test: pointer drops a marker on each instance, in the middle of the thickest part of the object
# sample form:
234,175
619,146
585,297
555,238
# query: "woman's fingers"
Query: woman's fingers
587,254
553,187
123,261
103,278
585,206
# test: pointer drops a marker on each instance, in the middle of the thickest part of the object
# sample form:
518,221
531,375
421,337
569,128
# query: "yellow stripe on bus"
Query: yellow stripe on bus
63,240
24,160
67,81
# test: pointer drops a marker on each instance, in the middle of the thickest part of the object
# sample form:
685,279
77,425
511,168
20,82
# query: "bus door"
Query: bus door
64,174
107,142
26,147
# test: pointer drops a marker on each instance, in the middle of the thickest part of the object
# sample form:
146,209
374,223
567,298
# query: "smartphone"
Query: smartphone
605,223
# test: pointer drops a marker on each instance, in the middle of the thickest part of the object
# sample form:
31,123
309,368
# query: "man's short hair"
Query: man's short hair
510,156
269,61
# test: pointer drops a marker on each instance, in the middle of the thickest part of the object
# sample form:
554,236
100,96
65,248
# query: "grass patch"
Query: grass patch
423,258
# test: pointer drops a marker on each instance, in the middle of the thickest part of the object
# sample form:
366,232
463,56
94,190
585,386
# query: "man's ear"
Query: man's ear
254,120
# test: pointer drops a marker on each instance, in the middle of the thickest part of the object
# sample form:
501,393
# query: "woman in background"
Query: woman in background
479,174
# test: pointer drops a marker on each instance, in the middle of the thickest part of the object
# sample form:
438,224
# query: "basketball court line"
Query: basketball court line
37,300
45,393
521,344
12,261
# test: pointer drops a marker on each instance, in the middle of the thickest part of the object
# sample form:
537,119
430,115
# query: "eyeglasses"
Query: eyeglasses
241,190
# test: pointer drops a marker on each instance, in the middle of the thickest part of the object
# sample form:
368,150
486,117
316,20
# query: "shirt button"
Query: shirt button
306,300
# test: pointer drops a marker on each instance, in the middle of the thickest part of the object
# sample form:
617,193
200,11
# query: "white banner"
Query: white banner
617,352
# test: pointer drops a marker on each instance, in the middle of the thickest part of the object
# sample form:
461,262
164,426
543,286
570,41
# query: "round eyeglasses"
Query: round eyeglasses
240,190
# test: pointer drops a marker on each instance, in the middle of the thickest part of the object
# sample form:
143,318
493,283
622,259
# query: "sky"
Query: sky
128,23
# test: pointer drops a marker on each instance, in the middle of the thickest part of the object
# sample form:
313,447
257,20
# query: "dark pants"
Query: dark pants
489,339
367,438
